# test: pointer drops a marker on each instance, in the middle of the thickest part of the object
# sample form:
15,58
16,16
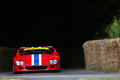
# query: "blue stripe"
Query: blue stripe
36,59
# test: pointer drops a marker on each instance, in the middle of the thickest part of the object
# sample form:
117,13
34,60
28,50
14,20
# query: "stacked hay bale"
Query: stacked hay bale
6,58
104,53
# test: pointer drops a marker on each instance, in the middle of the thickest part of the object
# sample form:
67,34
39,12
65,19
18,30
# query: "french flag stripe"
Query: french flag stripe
40,59
36,59
32,57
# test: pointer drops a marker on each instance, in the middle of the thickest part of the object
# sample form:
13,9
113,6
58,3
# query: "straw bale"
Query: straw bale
105,53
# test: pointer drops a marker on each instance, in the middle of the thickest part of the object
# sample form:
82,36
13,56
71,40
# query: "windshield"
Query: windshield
39,51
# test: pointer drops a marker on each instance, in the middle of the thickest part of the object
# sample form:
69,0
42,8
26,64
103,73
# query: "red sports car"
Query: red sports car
42,58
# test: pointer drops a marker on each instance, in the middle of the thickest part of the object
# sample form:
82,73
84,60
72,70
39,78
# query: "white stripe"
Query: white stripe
40,59
32,59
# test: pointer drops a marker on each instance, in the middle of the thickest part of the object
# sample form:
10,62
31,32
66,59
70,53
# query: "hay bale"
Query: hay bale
88,58
104,53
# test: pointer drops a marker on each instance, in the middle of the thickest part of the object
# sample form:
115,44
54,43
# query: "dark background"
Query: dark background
65,24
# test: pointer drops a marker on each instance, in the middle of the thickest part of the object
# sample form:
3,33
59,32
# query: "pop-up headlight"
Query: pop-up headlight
19,62
53,61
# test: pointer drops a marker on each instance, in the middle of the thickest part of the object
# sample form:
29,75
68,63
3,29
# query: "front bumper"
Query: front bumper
36,68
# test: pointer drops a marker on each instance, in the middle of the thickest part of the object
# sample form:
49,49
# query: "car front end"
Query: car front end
36,62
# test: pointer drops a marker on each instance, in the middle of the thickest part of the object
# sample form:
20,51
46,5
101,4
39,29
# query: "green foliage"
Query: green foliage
100,69
96,69
113,30
108,70
110,31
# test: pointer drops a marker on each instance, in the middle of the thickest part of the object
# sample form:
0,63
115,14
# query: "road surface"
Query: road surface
65,74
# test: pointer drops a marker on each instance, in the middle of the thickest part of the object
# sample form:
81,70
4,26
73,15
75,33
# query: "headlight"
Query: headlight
19,62
53,61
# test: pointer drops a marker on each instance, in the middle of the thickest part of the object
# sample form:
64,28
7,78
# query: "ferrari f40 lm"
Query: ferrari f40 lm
42,58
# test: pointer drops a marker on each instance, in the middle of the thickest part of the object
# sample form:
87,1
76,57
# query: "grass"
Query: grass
11,79
100,69
96,79
100,79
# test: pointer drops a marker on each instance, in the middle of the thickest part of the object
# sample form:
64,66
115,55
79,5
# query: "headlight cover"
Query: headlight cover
53,61
19,62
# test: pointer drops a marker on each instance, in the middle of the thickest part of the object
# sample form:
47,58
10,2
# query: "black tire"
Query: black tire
56,71
16,72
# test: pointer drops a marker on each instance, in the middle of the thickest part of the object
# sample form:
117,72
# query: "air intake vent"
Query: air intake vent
36,67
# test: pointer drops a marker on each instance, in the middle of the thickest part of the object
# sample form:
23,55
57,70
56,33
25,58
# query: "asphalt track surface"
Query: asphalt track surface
65,74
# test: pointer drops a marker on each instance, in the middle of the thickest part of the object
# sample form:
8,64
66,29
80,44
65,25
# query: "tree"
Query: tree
111,31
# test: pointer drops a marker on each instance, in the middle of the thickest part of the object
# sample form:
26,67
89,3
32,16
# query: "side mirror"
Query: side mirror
54,52
18,53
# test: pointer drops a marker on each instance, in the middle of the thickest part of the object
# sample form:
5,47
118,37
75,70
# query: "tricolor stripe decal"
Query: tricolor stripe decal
36,59
40,59
32,59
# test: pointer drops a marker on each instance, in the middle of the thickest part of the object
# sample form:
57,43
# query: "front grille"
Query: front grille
36,67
